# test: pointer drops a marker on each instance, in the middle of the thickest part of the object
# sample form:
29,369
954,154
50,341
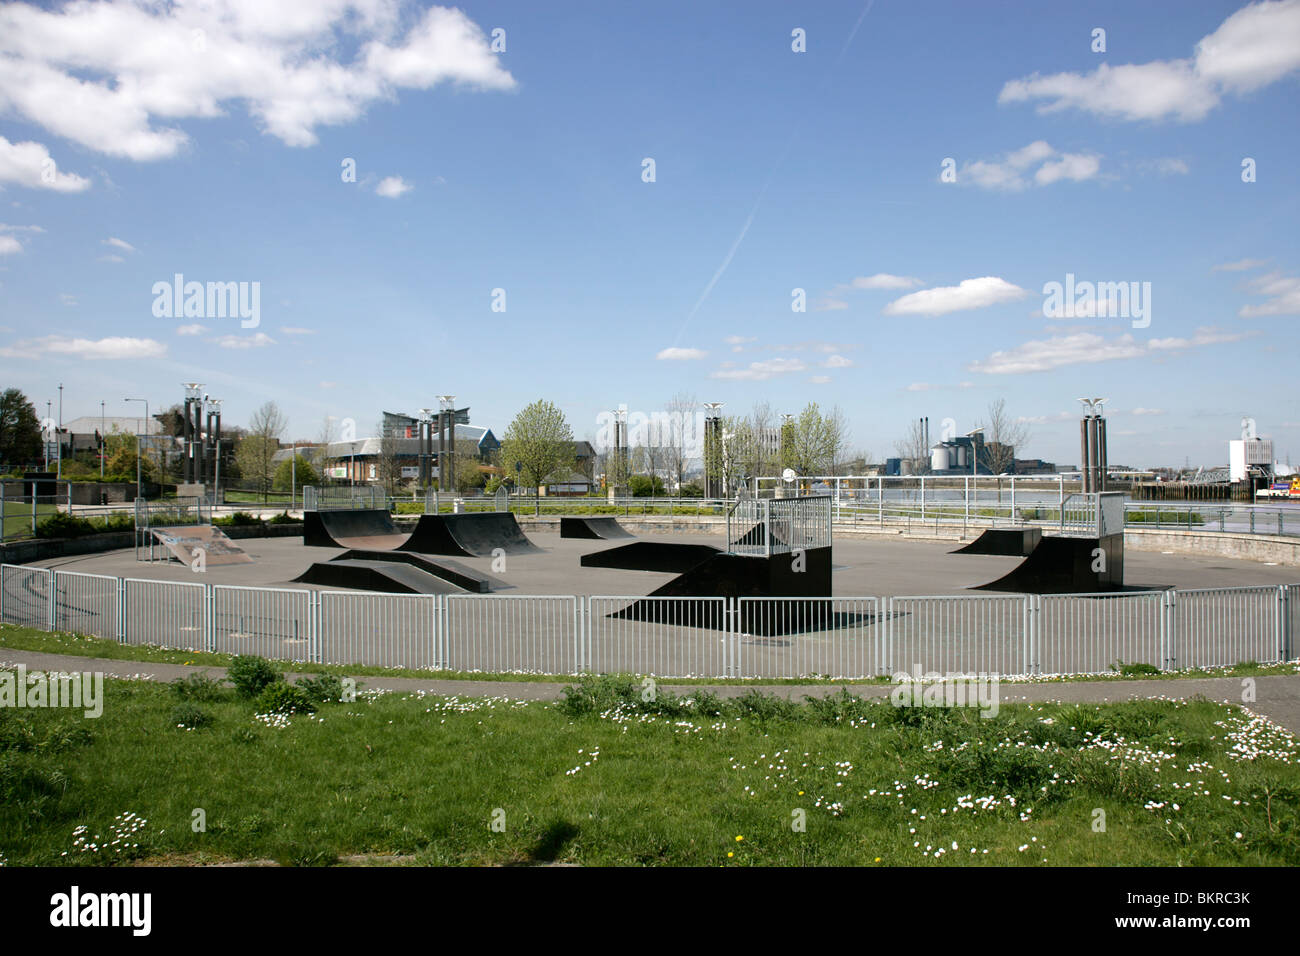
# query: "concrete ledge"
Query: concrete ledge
44,549
642,524
1279,549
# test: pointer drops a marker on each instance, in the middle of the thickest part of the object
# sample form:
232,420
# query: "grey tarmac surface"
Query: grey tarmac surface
1277,697
862,567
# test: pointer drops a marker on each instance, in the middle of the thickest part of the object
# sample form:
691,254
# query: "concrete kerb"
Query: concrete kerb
1277,696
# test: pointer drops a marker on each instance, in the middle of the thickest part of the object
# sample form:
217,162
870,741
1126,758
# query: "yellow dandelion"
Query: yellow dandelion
739,839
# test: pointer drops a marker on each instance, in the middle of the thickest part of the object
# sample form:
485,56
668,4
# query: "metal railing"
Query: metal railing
714,637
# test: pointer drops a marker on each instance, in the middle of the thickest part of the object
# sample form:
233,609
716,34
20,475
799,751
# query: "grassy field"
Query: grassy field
61,642
607,778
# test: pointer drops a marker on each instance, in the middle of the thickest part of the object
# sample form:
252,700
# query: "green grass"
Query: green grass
83,645
18,518
608,780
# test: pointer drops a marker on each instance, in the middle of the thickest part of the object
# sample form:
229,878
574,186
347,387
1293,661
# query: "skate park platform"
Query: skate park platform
1015,542
673,557
589,528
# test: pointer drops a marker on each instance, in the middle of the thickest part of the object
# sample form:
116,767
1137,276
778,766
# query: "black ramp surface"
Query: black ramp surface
1009,542
1062,565
322,529
669,557
453,572
386,576
593,528
476,535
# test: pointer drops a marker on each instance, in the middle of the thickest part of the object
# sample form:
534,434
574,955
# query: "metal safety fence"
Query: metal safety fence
714,637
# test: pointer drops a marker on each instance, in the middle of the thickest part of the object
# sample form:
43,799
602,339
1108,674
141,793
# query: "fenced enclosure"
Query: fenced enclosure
767,526
849,638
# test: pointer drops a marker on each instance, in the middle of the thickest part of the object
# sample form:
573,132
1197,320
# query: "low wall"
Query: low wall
1279,549
642,524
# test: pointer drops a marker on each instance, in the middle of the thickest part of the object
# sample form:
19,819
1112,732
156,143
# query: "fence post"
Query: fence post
1283,623
210,618
313,628
1169,627
121,611
54,604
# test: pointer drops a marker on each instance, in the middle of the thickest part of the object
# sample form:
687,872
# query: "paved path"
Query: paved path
1277,697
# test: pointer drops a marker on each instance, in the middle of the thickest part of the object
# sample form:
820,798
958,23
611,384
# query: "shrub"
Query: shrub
238,518
1133,670
251,675
283,518
190,715
64,526
284,698
198,687
322,689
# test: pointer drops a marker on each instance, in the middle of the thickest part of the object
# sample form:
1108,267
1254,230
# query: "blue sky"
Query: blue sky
210,141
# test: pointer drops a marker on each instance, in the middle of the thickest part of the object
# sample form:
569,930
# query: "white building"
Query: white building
1243,453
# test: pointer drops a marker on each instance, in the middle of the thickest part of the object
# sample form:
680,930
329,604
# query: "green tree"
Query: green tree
299,468
540,441
120,464
814,441
20,430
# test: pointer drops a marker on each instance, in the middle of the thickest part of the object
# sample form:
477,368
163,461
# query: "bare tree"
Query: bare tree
258,447
682,435
1003,437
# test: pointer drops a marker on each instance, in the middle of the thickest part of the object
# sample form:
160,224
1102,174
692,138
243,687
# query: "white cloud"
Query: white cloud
194,329
820,379
9,245
29,164
837,361
739,339
107,348
1075,167
118,244
1241,265
117,76
1253,48
680,355
1283,292
1011,172
761,371
296,330
111,258
1147,411
1087,348
67,298
390,187
881,280
969,294
260,340
1166,166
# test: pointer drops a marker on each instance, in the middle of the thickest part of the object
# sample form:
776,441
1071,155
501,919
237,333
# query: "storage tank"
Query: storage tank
963,457
939,458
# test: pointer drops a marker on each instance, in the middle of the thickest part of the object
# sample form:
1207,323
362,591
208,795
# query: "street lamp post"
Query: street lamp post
138,442
103,441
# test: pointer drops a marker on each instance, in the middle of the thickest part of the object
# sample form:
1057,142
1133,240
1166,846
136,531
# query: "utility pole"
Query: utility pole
103,441
139,441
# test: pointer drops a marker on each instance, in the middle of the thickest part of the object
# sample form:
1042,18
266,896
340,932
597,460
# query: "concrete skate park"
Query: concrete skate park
893,603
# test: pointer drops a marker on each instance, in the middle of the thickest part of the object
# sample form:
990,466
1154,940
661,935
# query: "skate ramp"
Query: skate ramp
186,542
600,527
369,529
453,572
1065,565
1008,542
471,535
387,576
